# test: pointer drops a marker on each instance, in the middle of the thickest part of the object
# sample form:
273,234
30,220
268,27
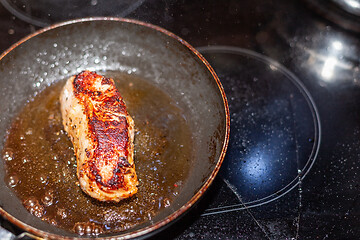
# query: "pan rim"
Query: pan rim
184,208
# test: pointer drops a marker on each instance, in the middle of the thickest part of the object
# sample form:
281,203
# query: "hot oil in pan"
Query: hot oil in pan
41,166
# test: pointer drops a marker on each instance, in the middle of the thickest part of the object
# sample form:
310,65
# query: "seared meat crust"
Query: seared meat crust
102,132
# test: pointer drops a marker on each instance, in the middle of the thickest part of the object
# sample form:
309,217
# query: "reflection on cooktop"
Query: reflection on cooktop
45,12
275,127
345,13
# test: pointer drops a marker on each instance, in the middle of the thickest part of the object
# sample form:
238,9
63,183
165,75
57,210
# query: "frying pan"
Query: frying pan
166,61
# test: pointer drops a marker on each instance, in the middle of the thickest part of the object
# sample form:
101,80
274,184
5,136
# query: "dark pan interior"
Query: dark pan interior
113,44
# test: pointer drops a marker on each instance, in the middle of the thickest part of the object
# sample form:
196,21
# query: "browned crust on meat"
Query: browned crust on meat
110,136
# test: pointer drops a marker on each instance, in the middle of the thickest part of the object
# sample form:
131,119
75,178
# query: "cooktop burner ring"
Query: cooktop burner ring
42,13
281,89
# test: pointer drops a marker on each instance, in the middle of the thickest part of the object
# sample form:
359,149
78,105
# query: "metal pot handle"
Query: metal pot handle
26,235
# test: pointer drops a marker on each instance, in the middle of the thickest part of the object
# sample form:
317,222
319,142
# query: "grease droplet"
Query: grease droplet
48,198
87,228
62,213
43,178
34,207
79,228
8,154
13,180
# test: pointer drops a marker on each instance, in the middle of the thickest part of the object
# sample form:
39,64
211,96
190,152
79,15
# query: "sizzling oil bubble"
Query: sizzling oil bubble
53,222
43,178
13,180
87,228
34,207
97,230
48,198
79,228
166,202
62,213
30,202
29,131
49,220
8,154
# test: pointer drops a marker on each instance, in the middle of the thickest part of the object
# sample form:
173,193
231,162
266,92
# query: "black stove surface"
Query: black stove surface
292,78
